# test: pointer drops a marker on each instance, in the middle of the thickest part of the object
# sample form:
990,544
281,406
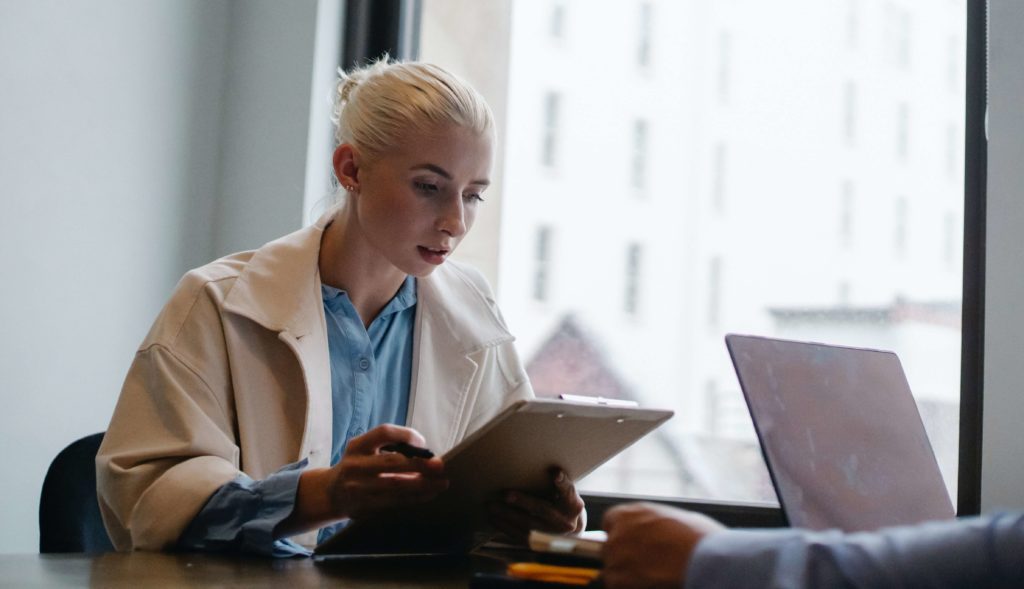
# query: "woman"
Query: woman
261,402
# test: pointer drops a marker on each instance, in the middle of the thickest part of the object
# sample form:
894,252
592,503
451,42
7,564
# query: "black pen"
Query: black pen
408,450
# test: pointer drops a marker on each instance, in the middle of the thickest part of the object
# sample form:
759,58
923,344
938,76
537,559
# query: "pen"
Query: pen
408,450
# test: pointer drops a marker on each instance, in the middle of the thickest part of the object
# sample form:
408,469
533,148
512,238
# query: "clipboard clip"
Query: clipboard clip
598,401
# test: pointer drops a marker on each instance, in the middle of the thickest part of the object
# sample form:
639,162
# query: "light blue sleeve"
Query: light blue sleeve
242,514
974,552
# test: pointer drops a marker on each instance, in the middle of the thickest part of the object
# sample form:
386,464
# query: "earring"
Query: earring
348,187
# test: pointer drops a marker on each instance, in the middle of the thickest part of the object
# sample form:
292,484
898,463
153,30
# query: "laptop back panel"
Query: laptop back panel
841,434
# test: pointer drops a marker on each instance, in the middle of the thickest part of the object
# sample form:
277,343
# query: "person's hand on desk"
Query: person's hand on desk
367,480
650,545
559,511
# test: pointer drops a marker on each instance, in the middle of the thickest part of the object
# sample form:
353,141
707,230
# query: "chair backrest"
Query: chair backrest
69,514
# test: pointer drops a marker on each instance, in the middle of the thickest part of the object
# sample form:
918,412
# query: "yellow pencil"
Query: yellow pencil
552,574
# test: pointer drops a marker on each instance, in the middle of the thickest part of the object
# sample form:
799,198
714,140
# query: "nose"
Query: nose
451,219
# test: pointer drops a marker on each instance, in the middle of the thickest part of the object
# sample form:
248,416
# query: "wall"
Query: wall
1003,445
121,125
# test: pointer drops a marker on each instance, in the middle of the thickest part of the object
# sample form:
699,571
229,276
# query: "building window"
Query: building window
850,113
897,35
899,238
950,241
903,131
714,291
542,263
556,26
724,66
634,259
549,145
712,411
718,176
953,64
846,207
843,293
643,49
951,144
852,23
638,171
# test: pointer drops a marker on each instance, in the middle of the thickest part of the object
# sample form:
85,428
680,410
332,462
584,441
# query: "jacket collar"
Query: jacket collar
279,288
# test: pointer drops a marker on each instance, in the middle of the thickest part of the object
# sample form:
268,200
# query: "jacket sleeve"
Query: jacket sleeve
168,448
977,552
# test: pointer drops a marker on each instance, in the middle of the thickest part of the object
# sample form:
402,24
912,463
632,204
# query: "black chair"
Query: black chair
69,513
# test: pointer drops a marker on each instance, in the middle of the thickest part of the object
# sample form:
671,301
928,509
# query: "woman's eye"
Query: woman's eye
425,187
473,196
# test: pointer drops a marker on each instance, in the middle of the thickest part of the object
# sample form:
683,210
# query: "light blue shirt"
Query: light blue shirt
371,374
973,552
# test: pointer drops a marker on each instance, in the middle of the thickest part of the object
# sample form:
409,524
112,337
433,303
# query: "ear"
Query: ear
346,167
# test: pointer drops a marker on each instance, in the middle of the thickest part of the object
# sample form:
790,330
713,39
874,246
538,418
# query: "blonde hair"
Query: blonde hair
377,105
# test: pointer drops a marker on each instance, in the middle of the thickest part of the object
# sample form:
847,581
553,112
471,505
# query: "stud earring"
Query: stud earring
348,187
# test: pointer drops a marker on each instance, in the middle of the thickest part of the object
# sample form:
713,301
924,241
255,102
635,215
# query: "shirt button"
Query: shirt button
364,363
357,432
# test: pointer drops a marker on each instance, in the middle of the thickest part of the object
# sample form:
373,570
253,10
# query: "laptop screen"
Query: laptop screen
841,434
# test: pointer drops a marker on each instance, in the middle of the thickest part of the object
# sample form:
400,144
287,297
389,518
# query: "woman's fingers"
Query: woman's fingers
567,499
382,435
544,514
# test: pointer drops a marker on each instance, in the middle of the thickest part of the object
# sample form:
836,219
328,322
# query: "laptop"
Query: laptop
841,435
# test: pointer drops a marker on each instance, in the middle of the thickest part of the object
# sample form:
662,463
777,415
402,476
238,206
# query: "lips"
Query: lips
433,255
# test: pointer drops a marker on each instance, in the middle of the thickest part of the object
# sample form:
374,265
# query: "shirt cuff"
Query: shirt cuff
243,514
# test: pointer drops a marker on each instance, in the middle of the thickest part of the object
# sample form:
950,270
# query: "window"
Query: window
852,23
903,131
634,259
774,154
898,35
714,309
953,51
949,242
639,167
643,48
549,145
900,219
542,263
724,66
718,176
850,113
846,204
951,151
557,28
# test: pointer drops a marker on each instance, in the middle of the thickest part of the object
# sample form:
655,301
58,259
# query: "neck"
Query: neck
348,262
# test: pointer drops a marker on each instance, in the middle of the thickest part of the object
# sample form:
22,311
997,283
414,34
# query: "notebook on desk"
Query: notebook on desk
841,434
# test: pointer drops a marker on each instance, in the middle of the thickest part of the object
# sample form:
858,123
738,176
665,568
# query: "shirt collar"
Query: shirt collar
403,299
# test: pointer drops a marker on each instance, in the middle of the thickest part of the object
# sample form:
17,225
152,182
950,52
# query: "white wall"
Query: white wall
1003,444
121,125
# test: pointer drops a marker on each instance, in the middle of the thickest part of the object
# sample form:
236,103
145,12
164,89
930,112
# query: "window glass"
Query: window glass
777,168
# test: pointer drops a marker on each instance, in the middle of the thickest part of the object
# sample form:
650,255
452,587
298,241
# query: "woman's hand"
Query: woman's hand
365,481
558,511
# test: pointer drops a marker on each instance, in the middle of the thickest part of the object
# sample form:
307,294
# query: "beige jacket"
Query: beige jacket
234,377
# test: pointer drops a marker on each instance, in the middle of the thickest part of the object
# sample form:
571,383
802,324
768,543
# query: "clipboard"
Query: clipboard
515,450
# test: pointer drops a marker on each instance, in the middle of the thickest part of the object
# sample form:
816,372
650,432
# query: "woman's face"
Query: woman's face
416,202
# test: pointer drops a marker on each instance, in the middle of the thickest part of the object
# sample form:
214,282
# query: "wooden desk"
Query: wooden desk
146,569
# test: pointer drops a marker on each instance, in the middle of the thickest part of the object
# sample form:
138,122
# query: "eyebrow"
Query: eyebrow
444,173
